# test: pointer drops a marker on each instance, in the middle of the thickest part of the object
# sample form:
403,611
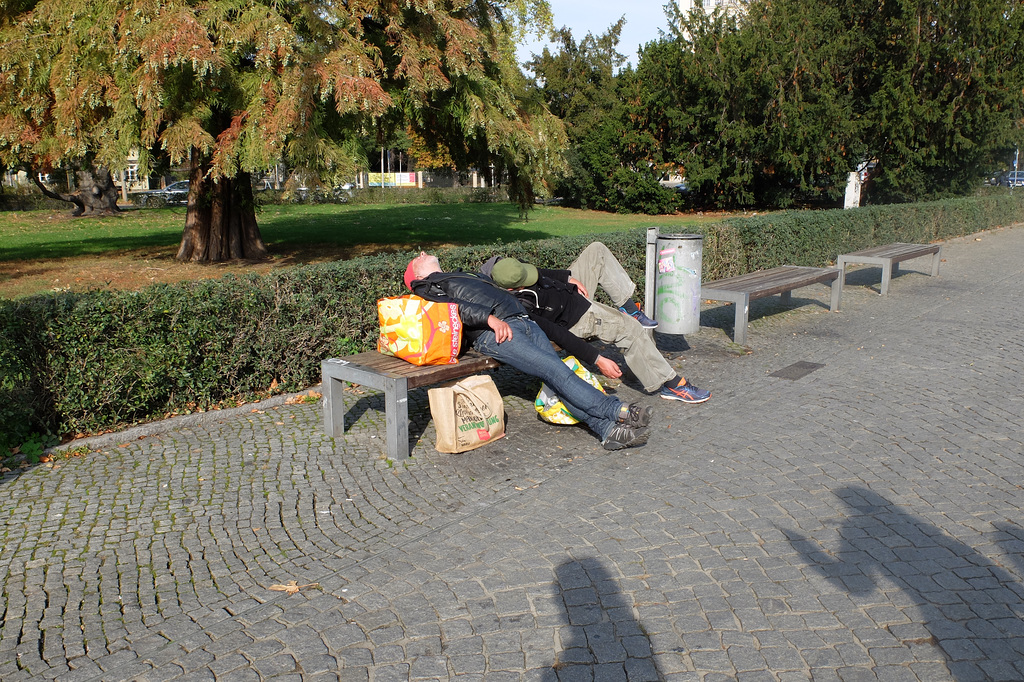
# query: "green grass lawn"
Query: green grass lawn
49,234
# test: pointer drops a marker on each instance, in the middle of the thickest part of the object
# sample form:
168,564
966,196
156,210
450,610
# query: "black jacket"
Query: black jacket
477,295
555,305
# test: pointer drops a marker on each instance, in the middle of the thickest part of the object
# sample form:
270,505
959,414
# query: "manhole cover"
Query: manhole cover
797,370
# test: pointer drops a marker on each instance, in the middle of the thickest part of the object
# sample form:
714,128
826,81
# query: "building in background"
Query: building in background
726,6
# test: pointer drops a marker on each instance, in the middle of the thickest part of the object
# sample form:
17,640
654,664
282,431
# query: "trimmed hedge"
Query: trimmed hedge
85,362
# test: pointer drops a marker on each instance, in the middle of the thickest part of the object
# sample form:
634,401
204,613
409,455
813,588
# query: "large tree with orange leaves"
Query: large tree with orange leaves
233,86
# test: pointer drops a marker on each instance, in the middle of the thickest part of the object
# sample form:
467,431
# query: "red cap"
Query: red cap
409,275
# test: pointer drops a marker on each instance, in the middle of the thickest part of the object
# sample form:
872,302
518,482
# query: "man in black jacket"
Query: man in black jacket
557,301
496,323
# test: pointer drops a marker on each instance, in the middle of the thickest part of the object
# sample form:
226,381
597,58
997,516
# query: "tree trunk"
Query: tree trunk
220,222
97,194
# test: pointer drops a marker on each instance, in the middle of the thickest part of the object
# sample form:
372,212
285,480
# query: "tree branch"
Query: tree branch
70,198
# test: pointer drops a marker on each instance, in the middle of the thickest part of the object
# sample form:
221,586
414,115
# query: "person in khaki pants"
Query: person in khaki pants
559,302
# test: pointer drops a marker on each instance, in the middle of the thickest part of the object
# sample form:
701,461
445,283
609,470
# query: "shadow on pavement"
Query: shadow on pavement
1011,540
969,605
870,276
723,314
602,640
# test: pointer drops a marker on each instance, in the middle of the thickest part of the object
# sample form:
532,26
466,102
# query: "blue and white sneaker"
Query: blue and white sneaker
686,392
645,322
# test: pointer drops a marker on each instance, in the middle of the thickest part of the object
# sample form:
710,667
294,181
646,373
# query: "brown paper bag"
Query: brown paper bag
467,414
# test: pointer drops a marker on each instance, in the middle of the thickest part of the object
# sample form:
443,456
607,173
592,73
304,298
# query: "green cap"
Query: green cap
510,273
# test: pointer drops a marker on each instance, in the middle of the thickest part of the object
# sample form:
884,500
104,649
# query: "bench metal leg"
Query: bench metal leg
888,270
786,296
936,259
837,292
334,372
334,407
739,332
396,407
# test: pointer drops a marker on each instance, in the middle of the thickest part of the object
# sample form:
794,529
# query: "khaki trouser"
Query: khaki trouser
598,266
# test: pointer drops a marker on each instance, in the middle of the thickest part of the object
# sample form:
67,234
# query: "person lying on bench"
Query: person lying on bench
557,301
496,323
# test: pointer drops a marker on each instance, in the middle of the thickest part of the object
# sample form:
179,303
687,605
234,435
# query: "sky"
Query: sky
643,20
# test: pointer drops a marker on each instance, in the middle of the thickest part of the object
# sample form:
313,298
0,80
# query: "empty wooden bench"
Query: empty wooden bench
781,280
395,377
889,257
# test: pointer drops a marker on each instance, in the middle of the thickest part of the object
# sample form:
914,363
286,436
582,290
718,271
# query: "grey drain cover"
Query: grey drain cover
797,370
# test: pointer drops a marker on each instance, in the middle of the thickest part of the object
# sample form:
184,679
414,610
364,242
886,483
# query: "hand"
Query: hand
609,368
579,285
502,332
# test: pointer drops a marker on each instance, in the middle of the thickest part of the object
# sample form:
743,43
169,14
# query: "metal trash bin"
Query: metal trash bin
673,264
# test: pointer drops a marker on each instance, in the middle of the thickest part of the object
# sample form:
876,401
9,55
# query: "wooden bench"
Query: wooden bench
889,257
395,377
781,280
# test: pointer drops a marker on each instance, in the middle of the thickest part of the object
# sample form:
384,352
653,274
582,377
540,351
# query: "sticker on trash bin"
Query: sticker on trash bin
666,265
666,252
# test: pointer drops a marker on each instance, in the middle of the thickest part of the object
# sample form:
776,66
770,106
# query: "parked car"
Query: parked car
174,193
1012,179
305,190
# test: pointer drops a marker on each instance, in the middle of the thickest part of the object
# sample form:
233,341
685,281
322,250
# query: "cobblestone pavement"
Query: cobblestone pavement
860,522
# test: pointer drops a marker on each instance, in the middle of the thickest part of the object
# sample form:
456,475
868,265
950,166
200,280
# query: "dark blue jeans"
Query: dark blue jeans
529,351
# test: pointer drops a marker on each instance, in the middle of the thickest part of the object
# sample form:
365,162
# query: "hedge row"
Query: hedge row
85,362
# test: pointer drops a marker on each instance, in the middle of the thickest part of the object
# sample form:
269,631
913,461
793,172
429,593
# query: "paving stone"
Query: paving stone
851,524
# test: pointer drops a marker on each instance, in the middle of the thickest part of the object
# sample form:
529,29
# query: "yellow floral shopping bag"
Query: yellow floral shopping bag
419,331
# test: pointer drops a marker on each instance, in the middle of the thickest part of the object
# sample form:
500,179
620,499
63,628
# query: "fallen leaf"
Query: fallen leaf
292,587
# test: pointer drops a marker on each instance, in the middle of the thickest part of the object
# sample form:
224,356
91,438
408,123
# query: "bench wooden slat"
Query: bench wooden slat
889,256
742,289
769,282
425,375
898,250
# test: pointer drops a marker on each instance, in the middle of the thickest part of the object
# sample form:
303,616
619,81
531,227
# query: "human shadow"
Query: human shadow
671,344
969,604
602,639
1011,540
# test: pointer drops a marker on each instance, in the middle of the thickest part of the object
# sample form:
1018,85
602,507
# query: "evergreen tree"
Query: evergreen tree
580,83
232,86
754,109
782,102
939,85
